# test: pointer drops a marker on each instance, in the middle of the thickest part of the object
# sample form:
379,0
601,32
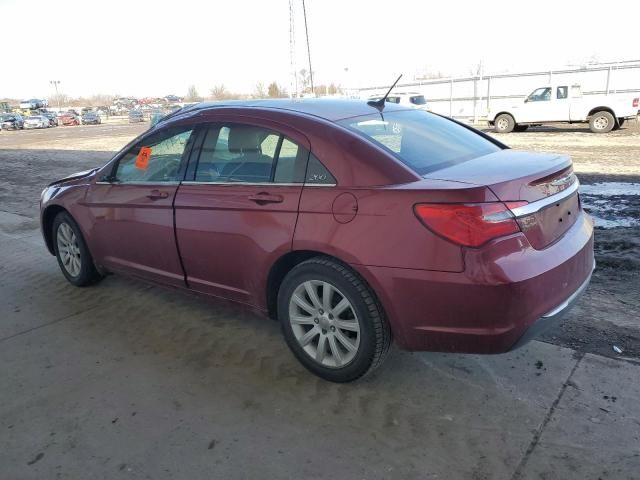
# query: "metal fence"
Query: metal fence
471,97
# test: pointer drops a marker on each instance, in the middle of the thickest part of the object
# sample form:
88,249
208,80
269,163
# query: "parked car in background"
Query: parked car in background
136,116
53,118
172,99
33,104
406,99
91,118
36,121
69,118
11,121
562,103
438,236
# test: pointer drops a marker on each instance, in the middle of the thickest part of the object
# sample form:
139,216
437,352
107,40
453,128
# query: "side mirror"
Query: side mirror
526,100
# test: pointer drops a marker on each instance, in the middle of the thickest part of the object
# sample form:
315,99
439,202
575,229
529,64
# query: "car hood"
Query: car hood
74,176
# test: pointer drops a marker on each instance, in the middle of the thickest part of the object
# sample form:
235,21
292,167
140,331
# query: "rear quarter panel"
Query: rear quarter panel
384,230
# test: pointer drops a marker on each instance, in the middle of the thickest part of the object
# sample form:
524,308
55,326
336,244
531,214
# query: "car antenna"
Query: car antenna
379,104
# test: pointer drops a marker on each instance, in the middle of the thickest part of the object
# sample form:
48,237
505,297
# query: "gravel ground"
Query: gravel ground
126,379
609,312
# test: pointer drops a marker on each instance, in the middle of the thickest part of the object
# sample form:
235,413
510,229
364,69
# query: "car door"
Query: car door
237,212
559,105
132,208
536,107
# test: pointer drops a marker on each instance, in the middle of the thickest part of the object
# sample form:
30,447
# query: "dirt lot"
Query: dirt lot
135,381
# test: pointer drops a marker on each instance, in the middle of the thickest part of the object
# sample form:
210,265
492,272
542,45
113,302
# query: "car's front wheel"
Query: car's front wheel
504,123
72,252
332,321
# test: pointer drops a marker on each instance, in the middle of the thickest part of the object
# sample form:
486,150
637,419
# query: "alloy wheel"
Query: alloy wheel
69,250
325,324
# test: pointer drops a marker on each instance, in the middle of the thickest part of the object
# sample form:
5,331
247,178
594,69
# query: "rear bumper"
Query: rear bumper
553,317
508,293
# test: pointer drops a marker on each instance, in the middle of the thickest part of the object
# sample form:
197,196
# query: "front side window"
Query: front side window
248,154
155,159
418,100
540,95
423,141
393,100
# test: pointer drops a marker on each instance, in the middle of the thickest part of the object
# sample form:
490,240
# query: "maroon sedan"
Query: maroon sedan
351,225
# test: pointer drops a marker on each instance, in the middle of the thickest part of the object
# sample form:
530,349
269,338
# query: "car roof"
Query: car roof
332,109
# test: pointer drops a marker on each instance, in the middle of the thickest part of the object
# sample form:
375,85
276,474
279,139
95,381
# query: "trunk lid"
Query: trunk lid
544,181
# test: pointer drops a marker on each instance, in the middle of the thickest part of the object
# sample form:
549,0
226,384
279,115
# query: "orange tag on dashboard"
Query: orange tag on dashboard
142,161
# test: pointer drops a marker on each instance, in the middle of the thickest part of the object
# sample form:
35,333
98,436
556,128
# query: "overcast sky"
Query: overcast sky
154,48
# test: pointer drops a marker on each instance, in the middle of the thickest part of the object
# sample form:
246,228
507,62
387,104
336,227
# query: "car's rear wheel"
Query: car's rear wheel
601,122
72,252
332,321
504,123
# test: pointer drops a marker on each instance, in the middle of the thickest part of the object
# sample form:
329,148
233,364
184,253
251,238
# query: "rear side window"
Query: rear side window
248,154
317,173
423,141
562,93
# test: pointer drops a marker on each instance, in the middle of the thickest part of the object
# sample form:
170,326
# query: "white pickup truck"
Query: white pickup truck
565,103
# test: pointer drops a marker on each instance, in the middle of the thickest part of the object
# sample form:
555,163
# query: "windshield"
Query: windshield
423,141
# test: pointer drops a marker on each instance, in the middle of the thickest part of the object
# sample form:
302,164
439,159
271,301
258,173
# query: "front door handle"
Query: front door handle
263,198
157,194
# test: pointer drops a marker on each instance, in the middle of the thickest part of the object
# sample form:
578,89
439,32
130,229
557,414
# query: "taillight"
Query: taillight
636,102
469,224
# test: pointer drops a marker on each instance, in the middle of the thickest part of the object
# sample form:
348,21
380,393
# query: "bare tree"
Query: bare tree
305,79
219,92
192,95
275,91
259,91
58,99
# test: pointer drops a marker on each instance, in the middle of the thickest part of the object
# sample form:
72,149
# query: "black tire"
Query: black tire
520,128
87,274
374,334
504,123
602,122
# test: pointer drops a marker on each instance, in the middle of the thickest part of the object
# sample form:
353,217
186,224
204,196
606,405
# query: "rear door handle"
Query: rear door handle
263,198
157,194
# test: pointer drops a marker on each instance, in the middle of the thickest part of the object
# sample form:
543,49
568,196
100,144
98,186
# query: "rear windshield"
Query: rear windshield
423,141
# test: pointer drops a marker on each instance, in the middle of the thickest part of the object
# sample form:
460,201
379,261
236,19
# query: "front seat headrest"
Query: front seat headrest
243,138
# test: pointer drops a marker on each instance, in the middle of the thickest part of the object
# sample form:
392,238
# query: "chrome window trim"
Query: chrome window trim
259,184
168,184
535,207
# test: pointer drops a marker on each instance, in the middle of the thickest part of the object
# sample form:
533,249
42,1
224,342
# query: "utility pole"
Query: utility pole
293,83
55,83
306,30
